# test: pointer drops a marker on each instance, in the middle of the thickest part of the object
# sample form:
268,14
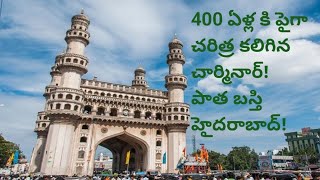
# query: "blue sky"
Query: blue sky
126,34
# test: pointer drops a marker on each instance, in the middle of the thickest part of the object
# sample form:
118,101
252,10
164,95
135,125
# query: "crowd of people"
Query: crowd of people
167,176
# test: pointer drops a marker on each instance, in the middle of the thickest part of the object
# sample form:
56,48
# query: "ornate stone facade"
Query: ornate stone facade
81,114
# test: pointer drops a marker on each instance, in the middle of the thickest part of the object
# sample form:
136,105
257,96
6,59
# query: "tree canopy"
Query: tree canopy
6,150
239,158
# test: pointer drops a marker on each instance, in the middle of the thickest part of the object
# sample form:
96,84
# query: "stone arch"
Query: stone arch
137,114
101,110
68,96
158,116
83,139
85,126
87,109
130,139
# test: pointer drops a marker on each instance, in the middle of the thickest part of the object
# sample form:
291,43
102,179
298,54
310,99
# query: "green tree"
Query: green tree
216,158
284,152
307,156
242,158
6,150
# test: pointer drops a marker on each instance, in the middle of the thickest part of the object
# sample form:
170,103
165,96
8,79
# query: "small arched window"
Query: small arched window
158,116
159,132
114,112
169,118
58,106
100,111
67,106
148,115
137,114
83,139
158,143
85,126
158,156
176,118
77,98
182,109
81,154
182,118
175,109
69,96
87,109
60,96
43,125
75,108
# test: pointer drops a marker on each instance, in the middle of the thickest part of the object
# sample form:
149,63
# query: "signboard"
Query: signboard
265,163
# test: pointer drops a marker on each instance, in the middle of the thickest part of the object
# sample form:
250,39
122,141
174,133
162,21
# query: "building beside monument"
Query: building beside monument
103,163
80,114
307,138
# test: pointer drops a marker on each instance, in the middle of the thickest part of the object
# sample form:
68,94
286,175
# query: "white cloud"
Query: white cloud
157,74
284,68
212,84
37,73
317,109
1,105
305,30
18,118
189,61
243,89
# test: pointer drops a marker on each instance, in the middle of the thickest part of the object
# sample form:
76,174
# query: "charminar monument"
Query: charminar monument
80,114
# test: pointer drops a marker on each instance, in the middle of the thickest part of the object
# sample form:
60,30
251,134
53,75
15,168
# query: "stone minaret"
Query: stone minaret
139,78
64,99
177,112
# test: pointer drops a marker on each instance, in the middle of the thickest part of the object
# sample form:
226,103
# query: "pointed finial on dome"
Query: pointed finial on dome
82,11
175,40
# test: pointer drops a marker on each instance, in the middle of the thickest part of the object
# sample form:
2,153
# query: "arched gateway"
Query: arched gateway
81,114
119,144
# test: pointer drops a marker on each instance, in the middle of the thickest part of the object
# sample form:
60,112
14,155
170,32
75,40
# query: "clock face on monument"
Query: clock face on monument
125,112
